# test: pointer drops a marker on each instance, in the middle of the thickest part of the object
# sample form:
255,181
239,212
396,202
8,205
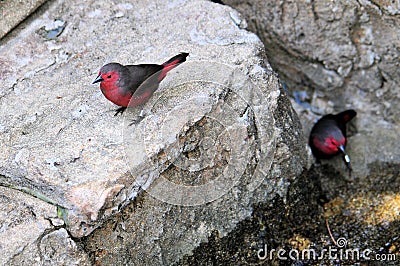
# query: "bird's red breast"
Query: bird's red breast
109,87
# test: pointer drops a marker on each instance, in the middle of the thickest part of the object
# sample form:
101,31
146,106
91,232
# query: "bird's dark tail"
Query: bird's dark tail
177,59
172,63
346,116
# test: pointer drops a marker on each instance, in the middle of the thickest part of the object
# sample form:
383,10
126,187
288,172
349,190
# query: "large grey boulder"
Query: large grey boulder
219,136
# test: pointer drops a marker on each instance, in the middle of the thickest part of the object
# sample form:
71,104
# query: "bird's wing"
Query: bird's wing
139,73
145,81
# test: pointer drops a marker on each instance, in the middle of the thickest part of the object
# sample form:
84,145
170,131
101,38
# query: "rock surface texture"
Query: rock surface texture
219,135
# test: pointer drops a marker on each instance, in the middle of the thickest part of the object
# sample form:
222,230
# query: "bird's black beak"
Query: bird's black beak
98,79
341,148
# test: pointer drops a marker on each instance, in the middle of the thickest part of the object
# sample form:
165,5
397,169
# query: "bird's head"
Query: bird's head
108,75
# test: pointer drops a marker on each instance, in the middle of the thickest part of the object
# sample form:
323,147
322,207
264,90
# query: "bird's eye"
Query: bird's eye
109,76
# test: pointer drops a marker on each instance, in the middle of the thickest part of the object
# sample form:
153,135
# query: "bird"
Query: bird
133,85
328,136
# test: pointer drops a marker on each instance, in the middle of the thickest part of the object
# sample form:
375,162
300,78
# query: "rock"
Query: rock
374,146
150,231
25,221
13,12
219,135
58,248
345,55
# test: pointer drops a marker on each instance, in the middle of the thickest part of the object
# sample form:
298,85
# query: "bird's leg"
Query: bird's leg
139,118
120,110
141,114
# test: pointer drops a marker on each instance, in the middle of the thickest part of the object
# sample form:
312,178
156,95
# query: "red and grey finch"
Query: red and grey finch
328,136
120,83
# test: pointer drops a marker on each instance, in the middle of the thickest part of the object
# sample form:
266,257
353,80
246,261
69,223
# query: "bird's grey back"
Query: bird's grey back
139,73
